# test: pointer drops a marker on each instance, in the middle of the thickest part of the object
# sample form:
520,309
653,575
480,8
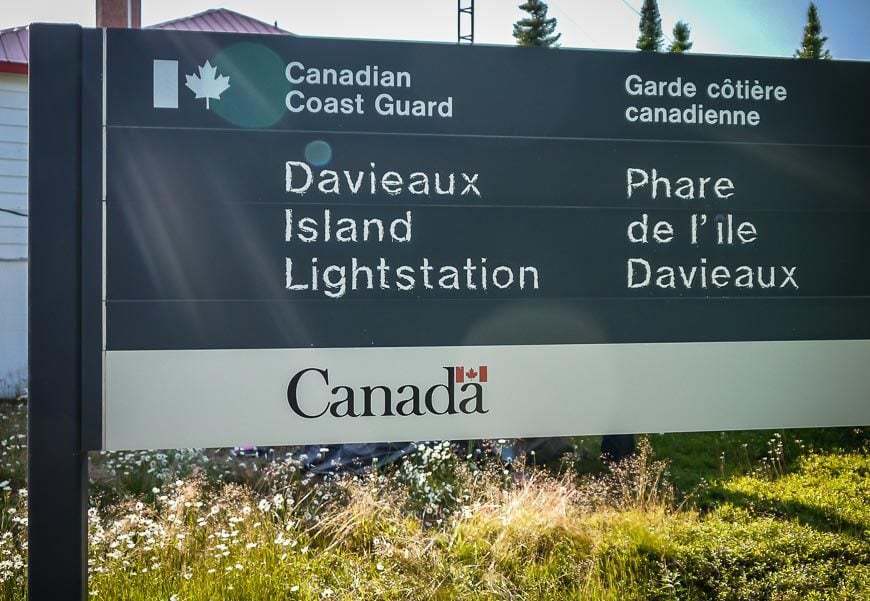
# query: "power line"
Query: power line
633,9
576,24
13,212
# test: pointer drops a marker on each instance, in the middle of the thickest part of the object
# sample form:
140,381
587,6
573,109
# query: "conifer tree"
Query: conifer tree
536,29
650,39
812,46
681,41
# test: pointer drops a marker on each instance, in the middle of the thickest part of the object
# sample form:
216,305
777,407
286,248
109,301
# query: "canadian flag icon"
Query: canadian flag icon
463,374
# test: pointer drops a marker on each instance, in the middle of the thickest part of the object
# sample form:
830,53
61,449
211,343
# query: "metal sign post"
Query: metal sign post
57,461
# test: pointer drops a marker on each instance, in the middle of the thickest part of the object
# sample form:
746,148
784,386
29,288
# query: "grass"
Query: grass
740,515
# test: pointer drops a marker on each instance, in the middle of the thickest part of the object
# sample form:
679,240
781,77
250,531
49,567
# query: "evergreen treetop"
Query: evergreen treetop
812,46
651,38
681,41
536,29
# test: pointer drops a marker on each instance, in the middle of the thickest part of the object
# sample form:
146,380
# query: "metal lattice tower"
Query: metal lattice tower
465,22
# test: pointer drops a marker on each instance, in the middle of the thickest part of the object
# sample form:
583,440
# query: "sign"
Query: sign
281,240
314,241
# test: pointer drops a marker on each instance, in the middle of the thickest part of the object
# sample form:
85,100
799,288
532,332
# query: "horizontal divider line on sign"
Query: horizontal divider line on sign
493,136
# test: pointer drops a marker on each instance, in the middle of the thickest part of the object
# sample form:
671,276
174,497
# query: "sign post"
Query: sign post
280,240
57,460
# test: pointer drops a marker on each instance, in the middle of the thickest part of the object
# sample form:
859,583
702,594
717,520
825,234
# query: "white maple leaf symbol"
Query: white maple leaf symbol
207,84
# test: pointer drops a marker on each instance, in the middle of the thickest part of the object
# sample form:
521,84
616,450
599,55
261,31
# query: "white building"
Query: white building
13,211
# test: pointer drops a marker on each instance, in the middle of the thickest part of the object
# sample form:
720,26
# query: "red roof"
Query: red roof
14,46
221,19
14,42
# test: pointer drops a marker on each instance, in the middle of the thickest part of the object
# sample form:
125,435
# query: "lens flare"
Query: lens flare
257,86
318,153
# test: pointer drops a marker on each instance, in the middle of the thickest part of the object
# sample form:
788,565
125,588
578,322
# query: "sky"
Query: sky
744,27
